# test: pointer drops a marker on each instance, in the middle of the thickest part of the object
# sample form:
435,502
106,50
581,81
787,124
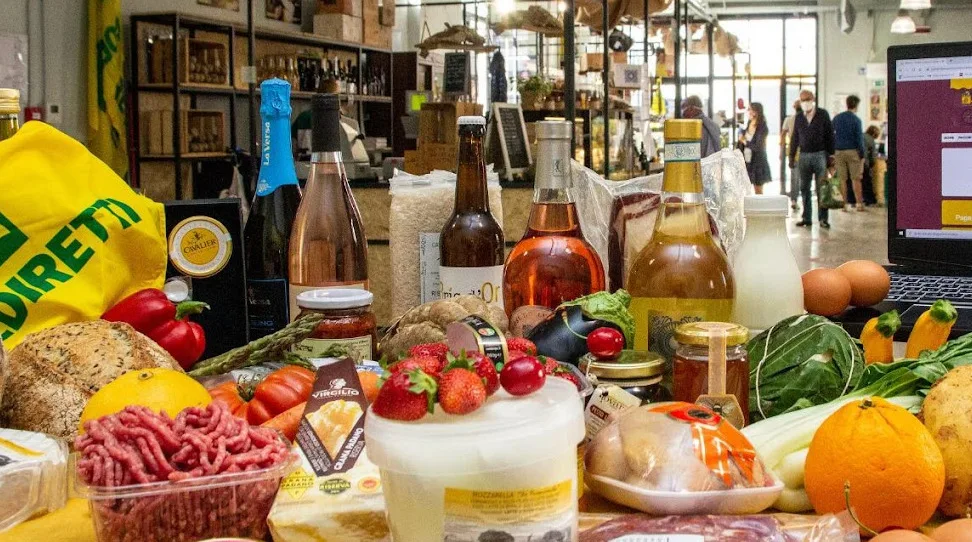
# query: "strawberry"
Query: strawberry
567,375
520,344
478,363
550,365
438,351
461,391
430,365
406,395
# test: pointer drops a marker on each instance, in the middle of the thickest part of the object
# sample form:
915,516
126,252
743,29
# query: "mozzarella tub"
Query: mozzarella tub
505,472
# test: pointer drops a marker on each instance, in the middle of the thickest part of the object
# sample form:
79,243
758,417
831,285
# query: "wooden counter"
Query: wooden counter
374,202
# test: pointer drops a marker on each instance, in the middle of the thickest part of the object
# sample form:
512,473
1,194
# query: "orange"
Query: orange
895,469
158,389
369,384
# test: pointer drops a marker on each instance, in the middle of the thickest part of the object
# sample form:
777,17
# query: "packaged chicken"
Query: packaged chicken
678,458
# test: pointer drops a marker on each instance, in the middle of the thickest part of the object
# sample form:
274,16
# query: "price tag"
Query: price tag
429,266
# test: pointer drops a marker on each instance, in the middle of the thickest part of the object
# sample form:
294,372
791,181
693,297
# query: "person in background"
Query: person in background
711,135
813,137
786,135
872,165
753,140
849,142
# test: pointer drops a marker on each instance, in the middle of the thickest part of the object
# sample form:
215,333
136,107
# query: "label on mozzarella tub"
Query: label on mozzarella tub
538,513
476,334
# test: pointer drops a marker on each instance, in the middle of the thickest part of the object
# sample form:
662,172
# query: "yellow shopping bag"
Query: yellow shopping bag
74,237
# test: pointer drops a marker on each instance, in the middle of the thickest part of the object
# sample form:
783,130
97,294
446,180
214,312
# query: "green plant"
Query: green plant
536,84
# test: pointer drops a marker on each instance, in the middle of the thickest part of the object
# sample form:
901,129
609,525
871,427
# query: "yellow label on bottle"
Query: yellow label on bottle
657,317
525,514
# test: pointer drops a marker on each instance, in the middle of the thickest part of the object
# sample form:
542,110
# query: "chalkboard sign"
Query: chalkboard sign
456,74
511,132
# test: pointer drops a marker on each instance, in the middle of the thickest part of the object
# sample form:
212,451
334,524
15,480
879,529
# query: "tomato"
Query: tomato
280,391
605,343
522,376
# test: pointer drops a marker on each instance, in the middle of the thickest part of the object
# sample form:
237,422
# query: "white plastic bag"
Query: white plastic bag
420,207
618,217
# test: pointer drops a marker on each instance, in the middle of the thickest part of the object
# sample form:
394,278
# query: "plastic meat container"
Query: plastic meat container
223,505
33,476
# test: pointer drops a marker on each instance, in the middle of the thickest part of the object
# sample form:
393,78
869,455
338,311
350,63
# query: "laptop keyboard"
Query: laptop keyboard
930,288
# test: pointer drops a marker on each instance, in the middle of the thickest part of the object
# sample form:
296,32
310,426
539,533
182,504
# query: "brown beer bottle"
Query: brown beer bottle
471,244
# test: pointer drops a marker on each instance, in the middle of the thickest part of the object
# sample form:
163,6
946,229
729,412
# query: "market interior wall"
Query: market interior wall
841,56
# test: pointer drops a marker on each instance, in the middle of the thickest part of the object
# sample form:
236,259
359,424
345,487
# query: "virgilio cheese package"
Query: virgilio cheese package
335,495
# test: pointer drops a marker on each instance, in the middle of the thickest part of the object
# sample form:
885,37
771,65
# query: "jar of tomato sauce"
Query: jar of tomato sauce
690,370
349,327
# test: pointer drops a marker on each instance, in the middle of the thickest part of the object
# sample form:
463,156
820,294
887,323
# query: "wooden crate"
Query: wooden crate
338,27
438,121
203,132
377,35
150,132
387,14
201,62
346,7
442,156
414,163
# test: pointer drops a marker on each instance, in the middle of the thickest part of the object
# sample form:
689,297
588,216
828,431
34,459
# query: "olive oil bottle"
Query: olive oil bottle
682,274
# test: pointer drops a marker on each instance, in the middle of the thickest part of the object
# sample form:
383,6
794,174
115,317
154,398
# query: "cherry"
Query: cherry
522,376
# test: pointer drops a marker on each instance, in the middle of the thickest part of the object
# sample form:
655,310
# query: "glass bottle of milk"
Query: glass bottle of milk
768,283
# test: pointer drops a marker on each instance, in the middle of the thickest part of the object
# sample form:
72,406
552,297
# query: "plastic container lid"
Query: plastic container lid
554,129
506,433
33,475
766,205
334,298
474,120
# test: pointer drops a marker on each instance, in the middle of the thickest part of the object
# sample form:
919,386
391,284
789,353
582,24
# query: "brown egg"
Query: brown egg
869,282
825,292
899,535
959,530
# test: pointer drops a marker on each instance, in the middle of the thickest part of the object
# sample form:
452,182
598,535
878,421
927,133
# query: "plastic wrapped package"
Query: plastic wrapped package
618,218
420,207
33,476
678,458
829,528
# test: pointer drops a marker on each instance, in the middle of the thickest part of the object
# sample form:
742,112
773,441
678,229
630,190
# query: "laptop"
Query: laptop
929,184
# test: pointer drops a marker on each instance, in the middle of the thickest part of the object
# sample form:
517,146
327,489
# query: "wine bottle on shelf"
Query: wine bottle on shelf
328,248
266,237
553,262
471,247
682,274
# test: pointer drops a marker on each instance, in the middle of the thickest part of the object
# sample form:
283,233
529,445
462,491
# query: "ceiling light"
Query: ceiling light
916,4
561,6
903,24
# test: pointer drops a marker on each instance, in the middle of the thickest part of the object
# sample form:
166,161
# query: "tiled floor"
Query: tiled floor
853,236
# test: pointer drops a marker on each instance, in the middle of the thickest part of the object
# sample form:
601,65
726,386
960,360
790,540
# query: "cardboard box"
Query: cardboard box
345,7
338,27
377,35
387,14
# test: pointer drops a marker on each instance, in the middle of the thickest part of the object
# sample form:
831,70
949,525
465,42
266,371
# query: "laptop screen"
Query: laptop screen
933,147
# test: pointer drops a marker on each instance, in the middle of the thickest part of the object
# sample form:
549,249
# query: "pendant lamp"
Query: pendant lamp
903,24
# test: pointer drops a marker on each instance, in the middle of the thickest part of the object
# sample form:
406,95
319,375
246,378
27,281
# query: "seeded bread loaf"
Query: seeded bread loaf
53,372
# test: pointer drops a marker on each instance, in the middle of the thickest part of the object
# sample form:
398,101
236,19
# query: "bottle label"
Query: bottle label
267,306
277,162
297,289
530,513
357,348
483,282
683,151
200,246
527,317
657,317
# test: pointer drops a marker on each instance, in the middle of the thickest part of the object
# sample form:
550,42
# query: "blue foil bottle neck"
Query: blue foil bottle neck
277,159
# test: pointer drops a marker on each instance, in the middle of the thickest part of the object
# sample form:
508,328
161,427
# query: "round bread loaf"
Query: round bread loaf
53,372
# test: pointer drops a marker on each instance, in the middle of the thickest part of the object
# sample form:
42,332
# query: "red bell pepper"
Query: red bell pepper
151,313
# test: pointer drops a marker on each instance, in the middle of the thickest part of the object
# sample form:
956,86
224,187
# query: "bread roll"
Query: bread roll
53,372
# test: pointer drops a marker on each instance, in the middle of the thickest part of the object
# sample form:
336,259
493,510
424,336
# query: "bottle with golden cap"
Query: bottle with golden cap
682,274
9,112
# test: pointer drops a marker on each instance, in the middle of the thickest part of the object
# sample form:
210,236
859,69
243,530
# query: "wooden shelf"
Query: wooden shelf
225,90
188,88
198,156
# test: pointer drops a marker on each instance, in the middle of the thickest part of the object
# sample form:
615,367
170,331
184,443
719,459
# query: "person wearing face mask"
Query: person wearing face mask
813,137
786,139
